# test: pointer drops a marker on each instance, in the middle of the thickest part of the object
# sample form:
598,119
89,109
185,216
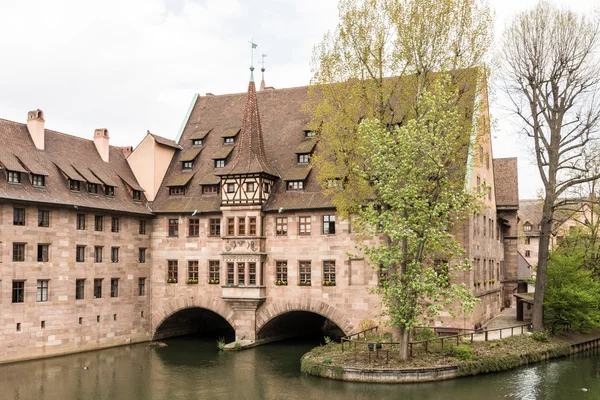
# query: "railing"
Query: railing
377,346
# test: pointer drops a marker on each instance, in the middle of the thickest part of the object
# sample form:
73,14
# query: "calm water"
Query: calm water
192,368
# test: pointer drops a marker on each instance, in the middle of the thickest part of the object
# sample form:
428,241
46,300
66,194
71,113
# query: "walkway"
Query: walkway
506,319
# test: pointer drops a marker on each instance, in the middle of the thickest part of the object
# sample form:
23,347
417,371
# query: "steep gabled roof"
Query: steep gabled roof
249,157
506,183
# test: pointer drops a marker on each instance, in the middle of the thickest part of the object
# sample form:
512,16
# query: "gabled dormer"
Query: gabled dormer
248,177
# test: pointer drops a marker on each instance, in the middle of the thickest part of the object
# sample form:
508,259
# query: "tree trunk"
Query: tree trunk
537,318
401,335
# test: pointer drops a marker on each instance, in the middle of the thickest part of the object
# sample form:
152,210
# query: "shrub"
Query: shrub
424,334
221,344
461,351
238,346
540,336
328,340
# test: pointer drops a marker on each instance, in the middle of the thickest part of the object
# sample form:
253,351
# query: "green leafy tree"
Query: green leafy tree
407,63
572,292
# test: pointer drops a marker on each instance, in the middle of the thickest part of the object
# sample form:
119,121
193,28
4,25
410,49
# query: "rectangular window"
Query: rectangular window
172,271
266,187
44,218
230,226
114,287
194,227
176,190
527,253
329,273
18,252
137,195
193,271
231,188
197,142
98,222
281,226
252,273
141,286
115,225
295,185
309,134
97,288
80,253
281,273
230,267
214,272
79,289
42,290
303,158
173,227
38,180
250,187
241,226
98,254
527,240
241,271
42,252
142,230
19,216
109,191
304,272
210,189
328,224
215,227
220,163
228,140
142,255
92,188
14,177
114,254
187,165
304,226
18,291
74,185
252,226
81,222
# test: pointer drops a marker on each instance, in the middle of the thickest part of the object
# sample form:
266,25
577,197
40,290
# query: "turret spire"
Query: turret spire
262,82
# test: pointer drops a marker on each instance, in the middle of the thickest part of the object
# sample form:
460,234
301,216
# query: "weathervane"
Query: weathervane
252,47
262,70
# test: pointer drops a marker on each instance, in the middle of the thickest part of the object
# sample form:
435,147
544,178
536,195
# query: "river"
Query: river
193,368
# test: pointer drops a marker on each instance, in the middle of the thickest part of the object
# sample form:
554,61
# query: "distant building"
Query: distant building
227,226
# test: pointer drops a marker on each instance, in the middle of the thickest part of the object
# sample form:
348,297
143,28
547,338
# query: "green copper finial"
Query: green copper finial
251,73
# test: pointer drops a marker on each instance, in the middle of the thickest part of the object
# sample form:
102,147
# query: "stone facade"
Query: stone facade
37,326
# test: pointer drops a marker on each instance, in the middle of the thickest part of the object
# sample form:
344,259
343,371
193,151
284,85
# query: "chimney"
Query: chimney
126,150
35,126
101,141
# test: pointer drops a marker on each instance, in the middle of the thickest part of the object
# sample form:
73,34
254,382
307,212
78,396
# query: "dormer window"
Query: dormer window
38,180
109,191
219,163
210,189
527,227
229,140
137,195
295,185
176,190
14,177
74,185
188,165
197,142
250,187
309,134
303,158
92,188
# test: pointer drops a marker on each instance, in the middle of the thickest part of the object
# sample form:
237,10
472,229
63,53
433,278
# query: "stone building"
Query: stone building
226,227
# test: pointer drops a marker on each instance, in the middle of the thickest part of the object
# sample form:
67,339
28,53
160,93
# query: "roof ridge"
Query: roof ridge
258,92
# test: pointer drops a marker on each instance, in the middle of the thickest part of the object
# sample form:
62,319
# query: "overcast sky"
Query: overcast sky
134,65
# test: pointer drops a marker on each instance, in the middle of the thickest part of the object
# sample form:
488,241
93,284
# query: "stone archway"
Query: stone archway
270,311
174,306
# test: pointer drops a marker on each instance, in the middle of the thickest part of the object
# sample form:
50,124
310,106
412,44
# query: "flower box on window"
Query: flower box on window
328,283
306,283
213,281
282,283
172,280
192,281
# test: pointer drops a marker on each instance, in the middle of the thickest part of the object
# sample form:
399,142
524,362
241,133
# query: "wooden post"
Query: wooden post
486,335
471,338
426,346
442,343
522,329
457,339
500,333
512,331
354,351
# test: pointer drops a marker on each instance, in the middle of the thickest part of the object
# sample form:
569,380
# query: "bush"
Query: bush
238,346
221,344
424,334
540,336
461,351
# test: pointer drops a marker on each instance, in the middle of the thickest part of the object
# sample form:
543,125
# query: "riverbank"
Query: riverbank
450,362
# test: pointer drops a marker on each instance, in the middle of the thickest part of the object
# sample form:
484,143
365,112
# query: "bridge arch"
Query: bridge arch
268,313
176,306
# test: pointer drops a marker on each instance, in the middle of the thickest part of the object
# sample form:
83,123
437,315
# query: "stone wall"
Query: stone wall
70,325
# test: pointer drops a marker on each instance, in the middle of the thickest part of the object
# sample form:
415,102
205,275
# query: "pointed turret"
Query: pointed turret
249,156
262,82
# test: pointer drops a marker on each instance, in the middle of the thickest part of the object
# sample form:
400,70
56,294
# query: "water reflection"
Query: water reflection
192,368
